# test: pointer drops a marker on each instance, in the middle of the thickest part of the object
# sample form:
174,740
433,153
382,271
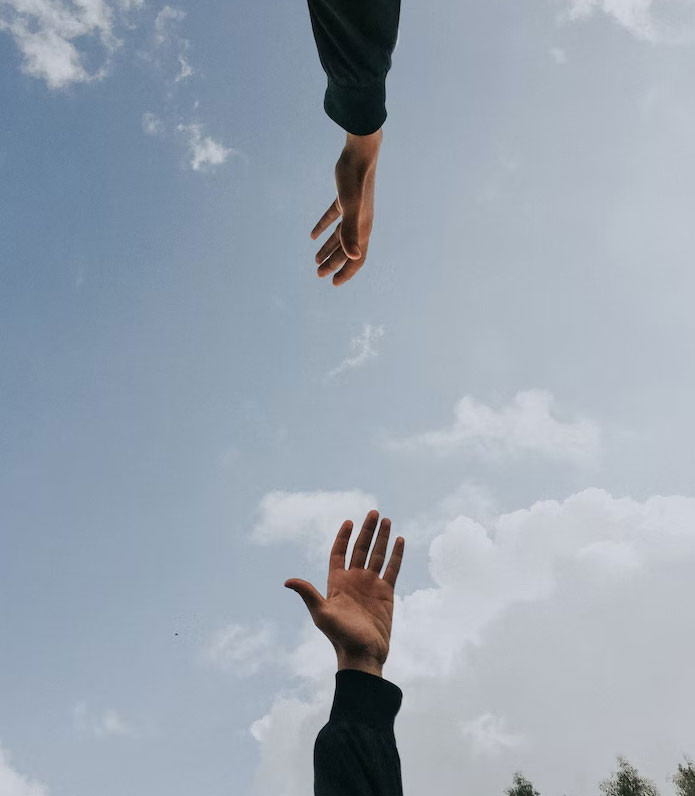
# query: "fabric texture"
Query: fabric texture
355,40
355,753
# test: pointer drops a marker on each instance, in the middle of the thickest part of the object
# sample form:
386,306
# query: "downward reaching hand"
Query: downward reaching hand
346,249
357,612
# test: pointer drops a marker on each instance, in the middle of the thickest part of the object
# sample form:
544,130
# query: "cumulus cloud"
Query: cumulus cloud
12,783
527,425
470,499
551,639
241,650
205,153
100,725
362,348
656,21
53,36
311,519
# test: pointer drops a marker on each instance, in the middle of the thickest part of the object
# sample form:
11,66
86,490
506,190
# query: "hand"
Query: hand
346,248
357,612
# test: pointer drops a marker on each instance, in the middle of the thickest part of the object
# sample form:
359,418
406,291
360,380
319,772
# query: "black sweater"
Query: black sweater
355,40
355,753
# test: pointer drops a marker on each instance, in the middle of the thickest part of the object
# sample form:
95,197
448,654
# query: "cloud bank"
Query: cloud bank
527,425
558,627
12,783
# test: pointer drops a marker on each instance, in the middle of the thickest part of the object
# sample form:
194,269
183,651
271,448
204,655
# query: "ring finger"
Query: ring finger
335,261
329,246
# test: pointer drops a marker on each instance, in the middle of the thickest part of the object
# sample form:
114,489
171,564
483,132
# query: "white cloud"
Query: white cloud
551,639
311,519
164,21
53,35
186,69
107,723
488,734
558,55
526,425
167,38
205,153
12,783
240,649
152,124
471,499
362,348
656,21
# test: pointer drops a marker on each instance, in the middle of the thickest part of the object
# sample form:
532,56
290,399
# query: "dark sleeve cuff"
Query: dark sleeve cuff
365,698
360,110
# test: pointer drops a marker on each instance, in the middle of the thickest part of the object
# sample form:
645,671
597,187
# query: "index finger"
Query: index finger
395,562
337,559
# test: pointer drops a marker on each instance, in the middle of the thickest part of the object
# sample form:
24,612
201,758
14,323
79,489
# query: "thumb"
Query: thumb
349,230
312,599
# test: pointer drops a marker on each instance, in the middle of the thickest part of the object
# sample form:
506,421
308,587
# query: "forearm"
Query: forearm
362,151
355,40
355,752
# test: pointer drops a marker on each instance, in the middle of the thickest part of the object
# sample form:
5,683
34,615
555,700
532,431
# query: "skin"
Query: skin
357,612
345,250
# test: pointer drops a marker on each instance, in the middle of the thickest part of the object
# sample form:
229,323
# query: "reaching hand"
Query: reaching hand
357,612
346,248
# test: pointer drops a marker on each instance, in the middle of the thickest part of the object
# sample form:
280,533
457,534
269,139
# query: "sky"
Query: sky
188,414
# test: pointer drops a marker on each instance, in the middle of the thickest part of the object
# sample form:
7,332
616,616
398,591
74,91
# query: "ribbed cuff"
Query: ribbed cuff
365,698
358,110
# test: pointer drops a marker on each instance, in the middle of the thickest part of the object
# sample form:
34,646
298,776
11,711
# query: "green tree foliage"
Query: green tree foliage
521,787
627,782
685,778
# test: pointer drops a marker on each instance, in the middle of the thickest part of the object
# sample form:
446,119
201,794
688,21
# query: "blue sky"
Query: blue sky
188,413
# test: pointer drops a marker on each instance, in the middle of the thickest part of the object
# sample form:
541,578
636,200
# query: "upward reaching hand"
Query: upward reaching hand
355,172
357,612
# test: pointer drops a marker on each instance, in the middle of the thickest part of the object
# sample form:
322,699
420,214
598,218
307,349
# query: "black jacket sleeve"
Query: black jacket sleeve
355,754
355,40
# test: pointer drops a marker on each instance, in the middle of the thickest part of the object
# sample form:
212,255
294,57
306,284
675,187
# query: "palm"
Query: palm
357,612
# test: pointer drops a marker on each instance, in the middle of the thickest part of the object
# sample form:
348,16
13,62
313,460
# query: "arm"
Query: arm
355,41
355,753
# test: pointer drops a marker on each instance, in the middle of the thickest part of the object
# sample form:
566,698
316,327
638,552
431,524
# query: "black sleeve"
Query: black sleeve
355,754
355,40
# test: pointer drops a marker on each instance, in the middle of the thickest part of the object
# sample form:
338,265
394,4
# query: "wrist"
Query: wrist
361,663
